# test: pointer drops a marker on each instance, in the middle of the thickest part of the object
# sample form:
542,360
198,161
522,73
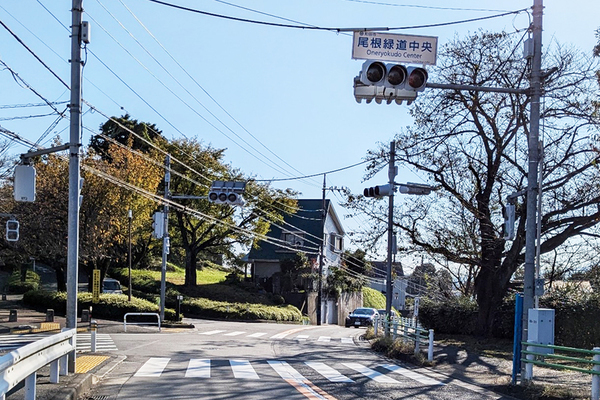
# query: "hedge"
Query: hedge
576,317
110,306
205,308
373,298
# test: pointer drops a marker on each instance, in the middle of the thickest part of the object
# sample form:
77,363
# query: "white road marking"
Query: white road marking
198,368
153,367
370,373
243,370
328,372
425,380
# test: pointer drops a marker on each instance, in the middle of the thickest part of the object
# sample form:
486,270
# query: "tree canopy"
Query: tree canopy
473,146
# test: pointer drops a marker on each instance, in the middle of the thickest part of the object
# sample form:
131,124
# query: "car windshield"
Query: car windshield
111,285
363,311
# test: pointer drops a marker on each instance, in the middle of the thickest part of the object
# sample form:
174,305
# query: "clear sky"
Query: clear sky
289,90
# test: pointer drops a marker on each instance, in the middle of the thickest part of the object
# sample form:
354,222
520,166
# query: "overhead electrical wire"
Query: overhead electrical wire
228,17
67,86
204,90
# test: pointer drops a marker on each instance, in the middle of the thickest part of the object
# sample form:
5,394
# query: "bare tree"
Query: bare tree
473,146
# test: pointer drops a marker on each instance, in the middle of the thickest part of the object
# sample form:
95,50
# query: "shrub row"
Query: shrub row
201,307
16,286
373,298
110,306
575,317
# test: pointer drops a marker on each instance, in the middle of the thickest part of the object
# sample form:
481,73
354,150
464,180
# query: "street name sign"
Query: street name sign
407,49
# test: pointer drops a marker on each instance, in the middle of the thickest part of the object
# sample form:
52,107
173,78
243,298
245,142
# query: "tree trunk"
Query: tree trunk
190,267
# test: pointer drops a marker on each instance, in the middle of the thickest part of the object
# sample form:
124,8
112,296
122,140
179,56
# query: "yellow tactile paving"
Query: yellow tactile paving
84,364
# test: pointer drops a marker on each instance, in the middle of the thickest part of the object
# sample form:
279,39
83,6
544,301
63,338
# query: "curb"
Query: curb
84,382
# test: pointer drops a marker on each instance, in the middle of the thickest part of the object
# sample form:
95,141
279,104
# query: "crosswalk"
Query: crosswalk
292,334
344,372
84,342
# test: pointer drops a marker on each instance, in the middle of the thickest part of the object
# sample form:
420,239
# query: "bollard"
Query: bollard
376,324
417,341
430,348
49,315
529,366
85,316
596,378
12,317
94,328
3,296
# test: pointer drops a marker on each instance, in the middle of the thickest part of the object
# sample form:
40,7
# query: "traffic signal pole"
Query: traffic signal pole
390,233
74,171
532,173
165,238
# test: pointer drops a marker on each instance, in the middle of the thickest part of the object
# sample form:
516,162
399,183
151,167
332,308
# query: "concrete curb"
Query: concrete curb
84,382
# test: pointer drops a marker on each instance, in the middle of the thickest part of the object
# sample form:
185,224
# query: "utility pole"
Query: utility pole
532,173
74,167
321,255
390,236
129,218
166,244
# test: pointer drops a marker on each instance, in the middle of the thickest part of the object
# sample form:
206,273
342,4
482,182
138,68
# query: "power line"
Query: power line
313,175
332,29
422,6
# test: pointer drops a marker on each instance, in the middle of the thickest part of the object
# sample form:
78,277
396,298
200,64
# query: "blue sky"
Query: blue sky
289,90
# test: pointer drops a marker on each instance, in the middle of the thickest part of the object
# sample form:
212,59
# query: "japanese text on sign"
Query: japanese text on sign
393,47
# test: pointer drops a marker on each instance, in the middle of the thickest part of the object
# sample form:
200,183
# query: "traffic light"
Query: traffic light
227,192
389,82
379,191
415,188
158,225
12,230
508,228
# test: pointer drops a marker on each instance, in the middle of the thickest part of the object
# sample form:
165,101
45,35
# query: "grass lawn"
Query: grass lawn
176,275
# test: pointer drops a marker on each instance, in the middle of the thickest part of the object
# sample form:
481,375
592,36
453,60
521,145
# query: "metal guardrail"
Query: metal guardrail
409,331
139,323
539,357
23,363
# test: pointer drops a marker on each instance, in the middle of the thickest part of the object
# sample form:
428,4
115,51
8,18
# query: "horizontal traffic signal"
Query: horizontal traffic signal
378,191
227,192
389,82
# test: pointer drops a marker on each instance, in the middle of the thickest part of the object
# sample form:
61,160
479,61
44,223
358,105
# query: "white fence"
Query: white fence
23,363
408,330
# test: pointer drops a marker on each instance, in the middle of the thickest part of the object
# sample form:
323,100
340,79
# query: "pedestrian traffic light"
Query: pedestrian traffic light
389,82
508,228
158,225
12,230
227,192
379,191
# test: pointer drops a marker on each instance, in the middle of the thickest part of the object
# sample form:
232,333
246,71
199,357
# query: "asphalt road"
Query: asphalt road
233,360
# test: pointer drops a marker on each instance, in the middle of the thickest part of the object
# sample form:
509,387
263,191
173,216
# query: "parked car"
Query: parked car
382,313
361,317
110,285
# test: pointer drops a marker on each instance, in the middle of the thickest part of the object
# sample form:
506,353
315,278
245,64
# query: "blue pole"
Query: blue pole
517,337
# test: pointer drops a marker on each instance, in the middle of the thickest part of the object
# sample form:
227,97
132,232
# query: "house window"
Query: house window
336,243
293,238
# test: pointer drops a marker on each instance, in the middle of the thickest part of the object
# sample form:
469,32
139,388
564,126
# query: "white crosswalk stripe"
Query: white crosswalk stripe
103,342
279,336
328,372
425,380
198,368
153,368
156,367
242,369
370,373
11,342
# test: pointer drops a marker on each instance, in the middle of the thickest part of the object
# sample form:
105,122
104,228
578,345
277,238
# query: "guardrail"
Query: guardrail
409,331
533,357
23,363
140,323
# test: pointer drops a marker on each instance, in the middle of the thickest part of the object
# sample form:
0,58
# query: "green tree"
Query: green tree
473,146
213,231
